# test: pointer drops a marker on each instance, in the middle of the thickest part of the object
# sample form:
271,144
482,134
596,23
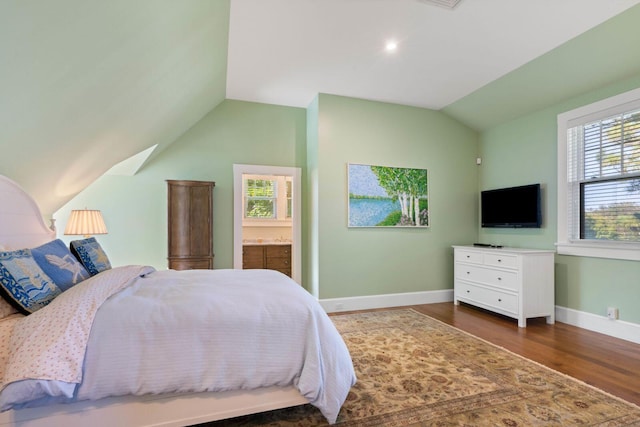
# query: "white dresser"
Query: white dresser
516,282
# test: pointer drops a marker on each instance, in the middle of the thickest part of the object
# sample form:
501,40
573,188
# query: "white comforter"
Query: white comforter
168,331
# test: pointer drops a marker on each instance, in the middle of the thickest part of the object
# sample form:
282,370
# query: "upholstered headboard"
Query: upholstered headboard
21,223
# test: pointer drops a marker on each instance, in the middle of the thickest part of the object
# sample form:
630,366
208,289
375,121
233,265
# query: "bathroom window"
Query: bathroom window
260,198
289,198
267,198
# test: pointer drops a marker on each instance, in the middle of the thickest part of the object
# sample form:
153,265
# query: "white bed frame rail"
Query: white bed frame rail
175,410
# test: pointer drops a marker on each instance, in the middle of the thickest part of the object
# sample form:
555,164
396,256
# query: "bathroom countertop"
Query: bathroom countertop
265,242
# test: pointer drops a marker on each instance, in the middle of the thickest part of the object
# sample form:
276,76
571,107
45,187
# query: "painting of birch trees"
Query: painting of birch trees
382,196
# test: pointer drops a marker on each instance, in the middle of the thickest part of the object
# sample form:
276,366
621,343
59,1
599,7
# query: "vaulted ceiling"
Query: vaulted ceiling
86,84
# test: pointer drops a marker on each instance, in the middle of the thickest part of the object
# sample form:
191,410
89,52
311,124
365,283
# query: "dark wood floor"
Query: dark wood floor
610,364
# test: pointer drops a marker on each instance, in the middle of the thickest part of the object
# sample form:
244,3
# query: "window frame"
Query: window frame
273,199
288,189
280,217
567,120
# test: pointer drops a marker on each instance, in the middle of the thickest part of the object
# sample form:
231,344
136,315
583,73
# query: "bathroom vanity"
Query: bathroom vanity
272,256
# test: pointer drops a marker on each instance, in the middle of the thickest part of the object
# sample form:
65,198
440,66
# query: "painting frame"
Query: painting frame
387,196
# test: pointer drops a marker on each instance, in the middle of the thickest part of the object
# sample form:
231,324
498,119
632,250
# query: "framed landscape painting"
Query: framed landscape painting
383,196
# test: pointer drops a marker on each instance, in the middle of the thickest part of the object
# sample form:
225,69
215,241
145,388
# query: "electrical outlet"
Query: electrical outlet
612,313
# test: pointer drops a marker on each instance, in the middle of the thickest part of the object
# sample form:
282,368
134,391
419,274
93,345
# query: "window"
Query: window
260,198
599,179
267,198
289,197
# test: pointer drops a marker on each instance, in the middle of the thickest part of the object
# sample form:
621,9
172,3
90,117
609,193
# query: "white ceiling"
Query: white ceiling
286,51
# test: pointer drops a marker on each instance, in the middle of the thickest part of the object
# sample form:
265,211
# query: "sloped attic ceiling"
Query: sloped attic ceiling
86,84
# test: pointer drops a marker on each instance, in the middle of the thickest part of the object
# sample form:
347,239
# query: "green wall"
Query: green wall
367,261
135,207
523,151
333,131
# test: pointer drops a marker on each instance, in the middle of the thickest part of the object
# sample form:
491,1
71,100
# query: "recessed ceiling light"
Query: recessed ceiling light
391,46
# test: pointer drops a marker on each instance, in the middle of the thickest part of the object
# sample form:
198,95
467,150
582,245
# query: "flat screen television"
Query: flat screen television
513,207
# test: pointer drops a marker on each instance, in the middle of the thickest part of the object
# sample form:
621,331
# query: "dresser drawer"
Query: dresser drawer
468,256
488,297
278,257
191,264
278,251
501,260
278,263
488,276
252,257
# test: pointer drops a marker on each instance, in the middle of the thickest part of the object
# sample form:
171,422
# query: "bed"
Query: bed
247,340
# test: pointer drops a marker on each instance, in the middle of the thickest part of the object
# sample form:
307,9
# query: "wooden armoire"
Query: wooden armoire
190,220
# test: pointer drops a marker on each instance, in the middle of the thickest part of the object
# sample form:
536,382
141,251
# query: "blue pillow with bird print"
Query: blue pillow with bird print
55,259
90,254
23,283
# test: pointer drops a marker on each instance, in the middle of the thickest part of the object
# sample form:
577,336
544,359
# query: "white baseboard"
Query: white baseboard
615,328
332,305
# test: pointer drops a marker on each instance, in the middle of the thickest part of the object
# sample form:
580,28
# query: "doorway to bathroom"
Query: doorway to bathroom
267,218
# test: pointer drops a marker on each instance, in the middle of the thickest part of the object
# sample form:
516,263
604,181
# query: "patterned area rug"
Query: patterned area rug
416,371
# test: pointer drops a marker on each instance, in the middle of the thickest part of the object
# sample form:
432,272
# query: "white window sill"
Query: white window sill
266,223
626,251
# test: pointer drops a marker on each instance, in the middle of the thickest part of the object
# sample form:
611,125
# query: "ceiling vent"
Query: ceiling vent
449,4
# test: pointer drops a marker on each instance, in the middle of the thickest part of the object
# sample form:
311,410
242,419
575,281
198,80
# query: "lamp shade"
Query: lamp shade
85,222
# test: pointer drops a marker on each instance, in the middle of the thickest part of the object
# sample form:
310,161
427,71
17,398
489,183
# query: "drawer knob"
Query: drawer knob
468,272
468,291
499,260
499,299
468,256
499,278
